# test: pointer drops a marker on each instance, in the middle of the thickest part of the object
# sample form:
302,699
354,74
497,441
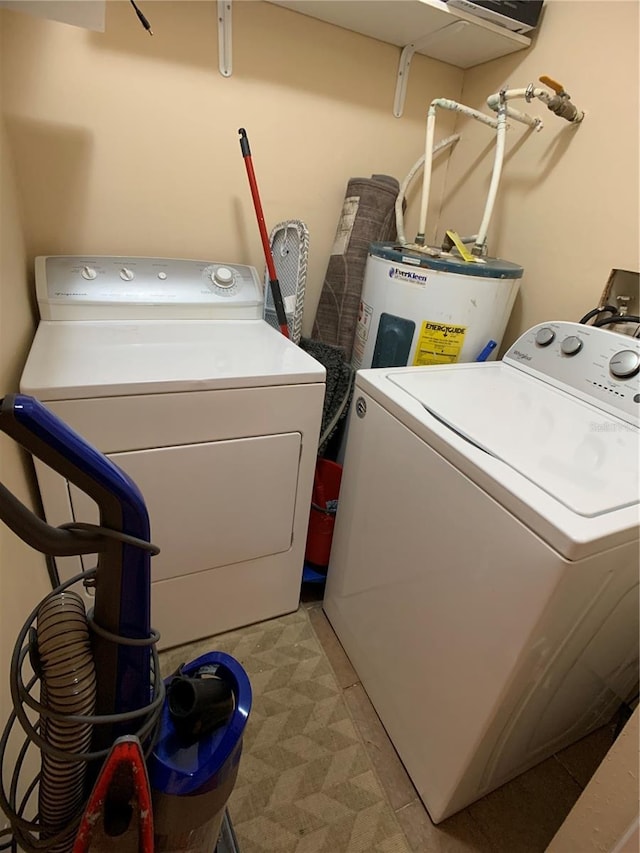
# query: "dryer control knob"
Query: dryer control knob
126,274
625,364
571,345
545,336
223,277
89,273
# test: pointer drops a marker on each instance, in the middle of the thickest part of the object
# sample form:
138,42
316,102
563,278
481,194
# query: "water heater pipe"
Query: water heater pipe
410,176
559,103
501,133
442,103
494,101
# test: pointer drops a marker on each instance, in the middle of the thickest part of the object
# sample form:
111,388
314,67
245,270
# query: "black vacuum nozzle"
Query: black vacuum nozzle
199,705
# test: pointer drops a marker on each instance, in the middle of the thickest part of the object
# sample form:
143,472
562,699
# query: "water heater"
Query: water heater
419,310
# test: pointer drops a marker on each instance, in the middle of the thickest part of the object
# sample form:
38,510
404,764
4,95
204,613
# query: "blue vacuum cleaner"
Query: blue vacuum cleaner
98,673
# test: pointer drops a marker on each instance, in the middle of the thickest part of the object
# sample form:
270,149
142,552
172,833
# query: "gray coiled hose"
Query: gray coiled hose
58,650
68,686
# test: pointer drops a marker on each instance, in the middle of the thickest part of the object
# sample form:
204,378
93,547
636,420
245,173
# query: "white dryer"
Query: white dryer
484,571
168,368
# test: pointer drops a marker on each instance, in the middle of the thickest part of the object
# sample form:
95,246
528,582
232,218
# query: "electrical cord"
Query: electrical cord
619,318
142,18
20,694
52,570
50,562
611,309
615,318
108,533
28,833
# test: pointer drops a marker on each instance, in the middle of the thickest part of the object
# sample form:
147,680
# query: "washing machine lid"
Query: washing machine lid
581,456
76,360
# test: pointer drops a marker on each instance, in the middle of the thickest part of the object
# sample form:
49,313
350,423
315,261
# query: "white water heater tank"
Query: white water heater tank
421,310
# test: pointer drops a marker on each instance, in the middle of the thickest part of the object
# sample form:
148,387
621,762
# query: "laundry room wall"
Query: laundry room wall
605,817
567,207
122,143
23,576
128,144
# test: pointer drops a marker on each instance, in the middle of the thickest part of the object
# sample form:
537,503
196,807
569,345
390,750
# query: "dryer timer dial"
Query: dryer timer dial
88,273
223,277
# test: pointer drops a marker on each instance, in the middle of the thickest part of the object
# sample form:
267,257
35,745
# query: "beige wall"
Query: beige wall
128,144
23,577
122,143
606,815
568,203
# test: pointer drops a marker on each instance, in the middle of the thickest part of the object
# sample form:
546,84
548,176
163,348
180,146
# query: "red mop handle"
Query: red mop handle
255,195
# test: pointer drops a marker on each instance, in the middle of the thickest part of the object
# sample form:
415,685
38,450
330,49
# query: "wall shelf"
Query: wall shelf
427,27
88,14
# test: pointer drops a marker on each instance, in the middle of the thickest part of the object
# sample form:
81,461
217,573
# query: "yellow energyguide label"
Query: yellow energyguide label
439,343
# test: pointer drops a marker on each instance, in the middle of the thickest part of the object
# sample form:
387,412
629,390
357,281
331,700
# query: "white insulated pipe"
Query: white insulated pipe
409,177
501,134
426,175
494,101
442,103
559,103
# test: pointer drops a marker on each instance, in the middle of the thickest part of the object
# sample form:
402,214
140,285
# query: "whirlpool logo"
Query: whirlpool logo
407,275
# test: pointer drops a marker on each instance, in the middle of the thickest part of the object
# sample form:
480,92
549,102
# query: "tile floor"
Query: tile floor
521,817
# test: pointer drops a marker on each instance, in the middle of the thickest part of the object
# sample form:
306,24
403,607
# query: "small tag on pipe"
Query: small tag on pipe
465,254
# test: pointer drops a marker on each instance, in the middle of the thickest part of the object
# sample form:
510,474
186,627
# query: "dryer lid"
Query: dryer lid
75,360
581,456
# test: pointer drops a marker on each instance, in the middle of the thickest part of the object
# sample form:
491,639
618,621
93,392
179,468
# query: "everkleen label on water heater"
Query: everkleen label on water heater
438,343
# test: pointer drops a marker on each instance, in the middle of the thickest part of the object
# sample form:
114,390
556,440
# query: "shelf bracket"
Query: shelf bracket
407,55
224,37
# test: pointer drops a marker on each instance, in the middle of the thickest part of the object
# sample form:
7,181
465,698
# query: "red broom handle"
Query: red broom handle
255,195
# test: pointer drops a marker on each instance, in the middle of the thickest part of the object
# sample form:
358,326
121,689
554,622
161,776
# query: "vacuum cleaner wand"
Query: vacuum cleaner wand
255,195
107,674
123,583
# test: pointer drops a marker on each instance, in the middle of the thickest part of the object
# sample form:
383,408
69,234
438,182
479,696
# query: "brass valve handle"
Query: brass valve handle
558,88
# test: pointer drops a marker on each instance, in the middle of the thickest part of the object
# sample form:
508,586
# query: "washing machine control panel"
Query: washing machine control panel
595,364
107,287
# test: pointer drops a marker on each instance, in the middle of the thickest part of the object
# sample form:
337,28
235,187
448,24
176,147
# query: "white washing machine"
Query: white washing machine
484,571
168,368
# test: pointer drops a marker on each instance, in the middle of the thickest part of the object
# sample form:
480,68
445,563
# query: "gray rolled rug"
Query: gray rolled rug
368,216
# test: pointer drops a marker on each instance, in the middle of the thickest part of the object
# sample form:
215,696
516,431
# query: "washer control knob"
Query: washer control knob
625,364
126,274
89,273
545,336
223,277
571,345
